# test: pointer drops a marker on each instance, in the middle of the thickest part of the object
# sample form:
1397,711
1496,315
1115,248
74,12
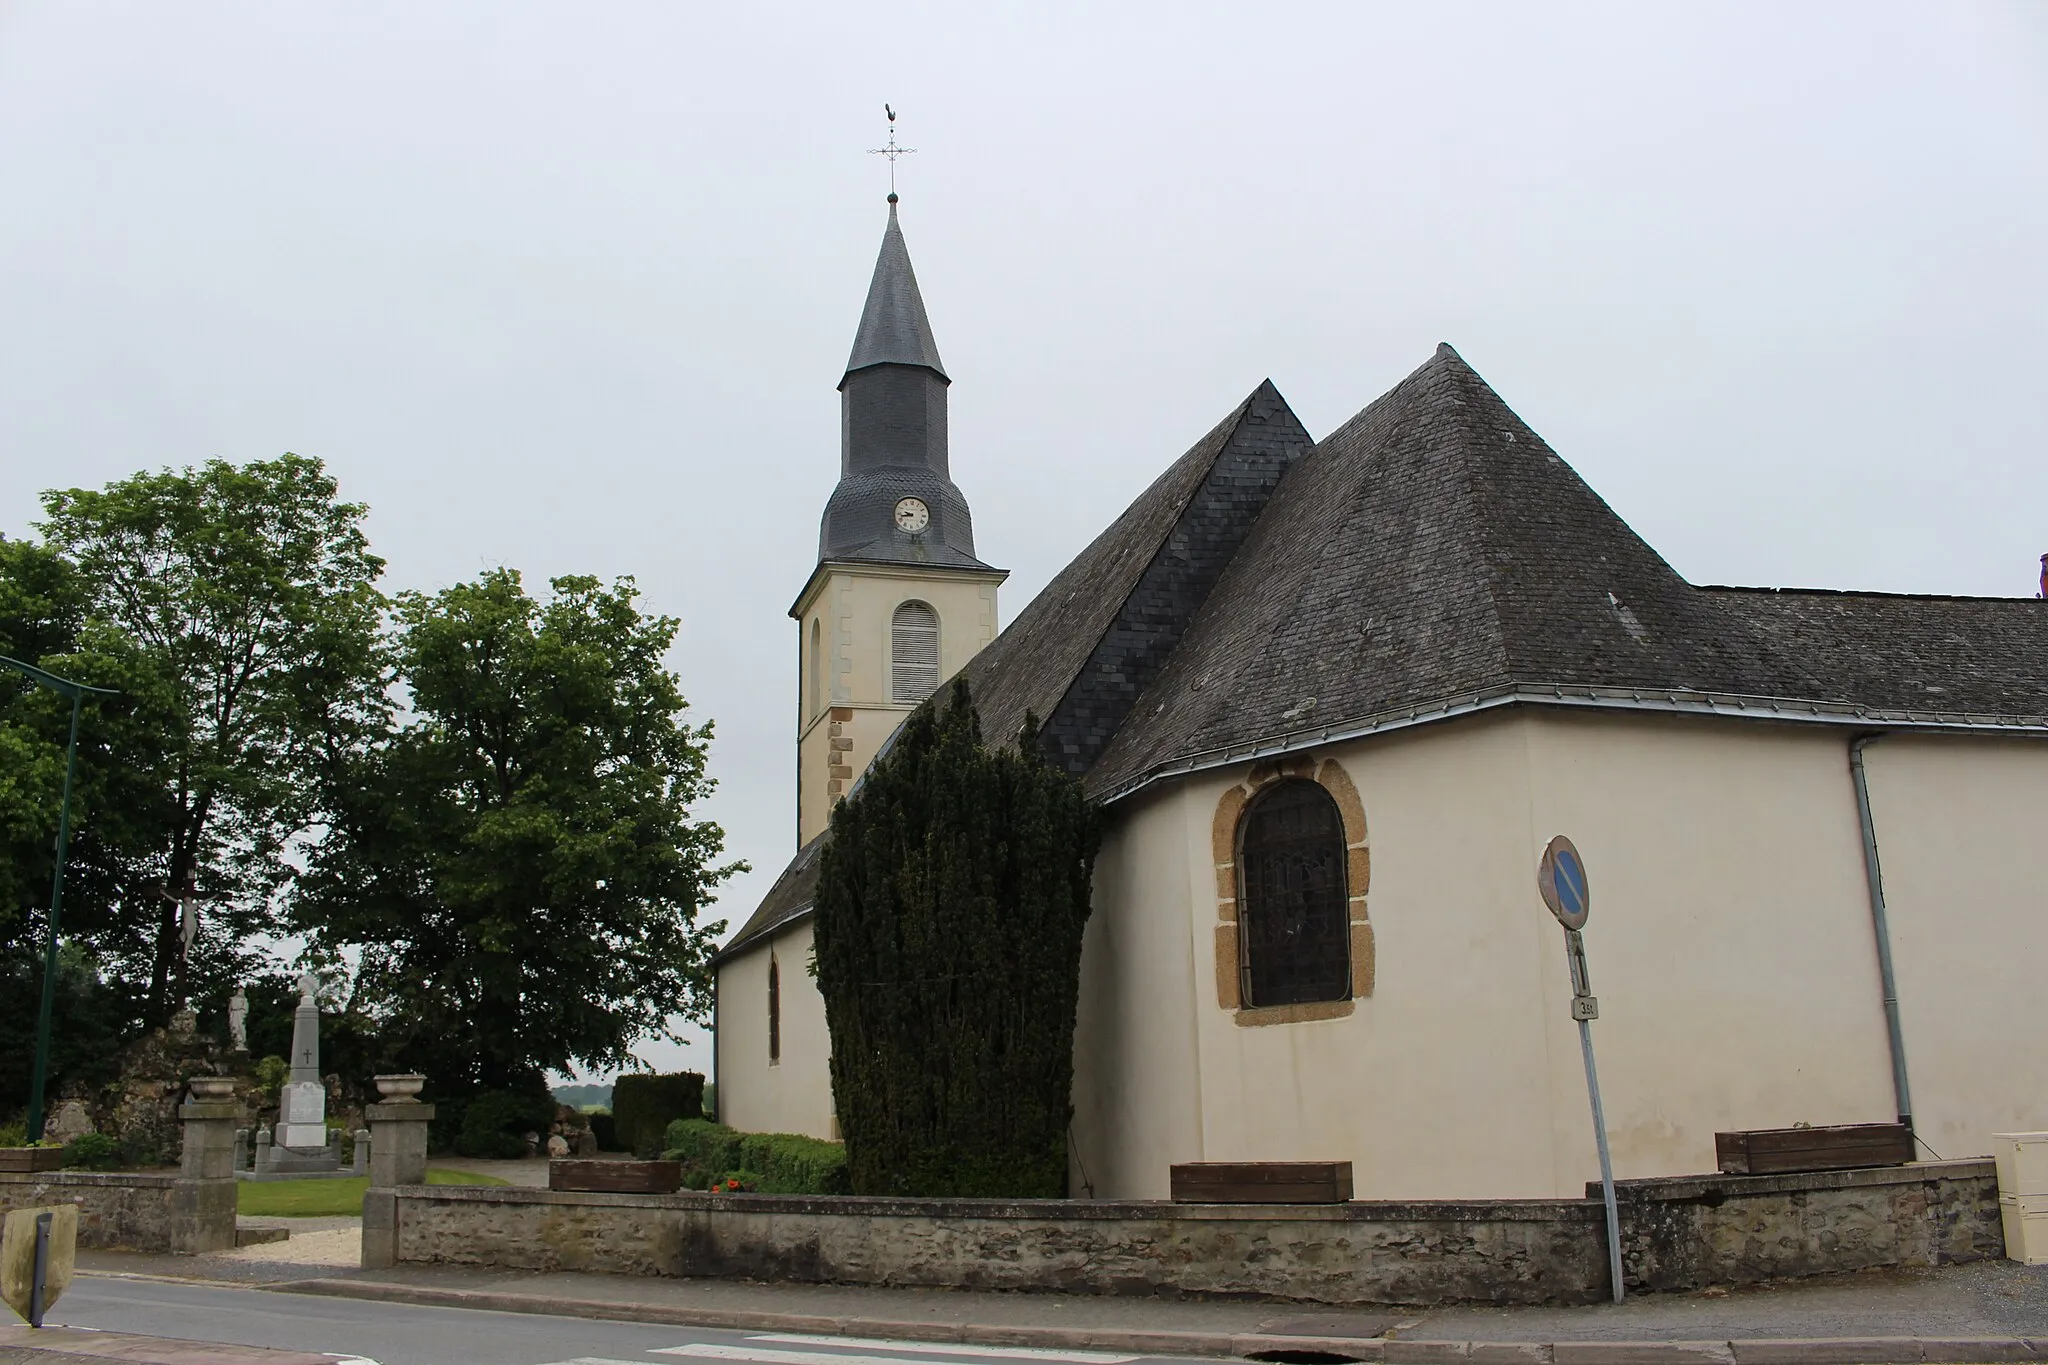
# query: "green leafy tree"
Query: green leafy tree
236,609
517,863
951,899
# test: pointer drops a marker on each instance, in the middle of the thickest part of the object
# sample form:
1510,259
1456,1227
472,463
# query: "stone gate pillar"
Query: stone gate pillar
203,1197
398,1156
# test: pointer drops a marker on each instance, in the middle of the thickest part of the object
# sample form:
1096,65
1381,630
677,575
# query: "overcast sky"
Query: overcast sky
568,287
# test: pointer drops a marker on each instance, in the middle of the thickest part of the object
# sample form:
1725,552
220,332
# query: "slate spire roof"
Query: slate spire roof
893,327
893,440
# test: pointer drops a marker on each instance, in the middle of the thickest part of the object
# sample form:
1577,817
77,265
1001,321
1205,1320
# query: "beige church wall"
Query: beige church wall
855,608
1966,891
793,1095
1729,944
1136,1108
1730,948
1428,1087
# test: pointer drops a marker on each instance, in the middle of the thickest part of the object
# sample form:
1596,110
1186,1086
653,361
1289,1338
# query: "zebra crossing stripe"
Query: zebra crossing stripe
871,1352
943,1348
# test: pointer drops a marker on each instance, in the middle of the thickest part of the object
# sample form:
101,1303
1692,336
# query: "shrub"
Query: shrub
14,1134
139,1150
92,1152
494,1122
645,1104
271,1074
789,1163
606,1128
702,1145
950,906
773,1163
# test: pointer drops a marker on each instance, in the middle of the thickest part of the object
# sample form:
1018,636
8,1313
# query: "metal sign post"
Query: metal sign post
1561,879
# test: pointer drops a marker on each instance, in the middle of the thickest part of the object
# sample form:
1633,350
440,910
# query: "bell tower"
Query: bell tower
898,602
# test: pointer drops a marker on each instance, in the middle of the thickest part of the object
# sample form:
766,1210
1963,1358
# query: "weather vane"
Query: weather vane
892,151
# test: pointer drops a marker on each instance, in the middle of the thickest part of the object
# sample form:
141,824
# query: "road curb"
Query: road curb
1380,1350
740,1320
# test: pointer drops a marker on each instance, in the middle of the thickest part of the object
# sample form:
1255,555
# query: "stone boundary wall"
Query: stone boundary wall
1678,1234
1534,1251
1693,1231
132,1211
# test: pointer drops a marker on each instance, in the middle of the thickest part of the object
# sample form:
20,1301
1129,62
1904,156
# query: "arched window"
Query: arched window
817,668
913,653
1292,899
774,1010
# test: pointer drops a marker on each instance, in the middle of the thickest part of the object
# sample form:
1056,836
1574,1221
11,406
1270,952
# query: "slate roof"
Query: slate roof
893,328
788,900
1099,633
1979,657
1434,548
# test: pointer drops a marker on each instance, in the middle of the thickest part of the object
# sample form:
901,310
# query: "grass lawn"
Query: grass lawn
327,1198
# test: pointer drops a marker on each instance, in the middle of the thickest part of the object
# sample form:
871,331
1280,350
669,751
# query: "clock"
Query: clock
912,515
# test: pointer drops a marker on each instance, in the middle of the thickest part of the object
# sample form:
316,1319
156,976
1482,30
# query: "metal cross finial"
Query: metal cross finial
892,151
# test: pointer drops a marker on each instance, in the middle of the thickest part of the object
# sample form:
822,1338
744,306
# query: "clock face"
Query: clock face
912,515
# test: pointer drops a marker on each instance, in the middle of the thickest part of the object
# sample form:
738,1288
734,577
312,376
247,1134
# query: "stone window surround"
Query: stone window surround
1331,777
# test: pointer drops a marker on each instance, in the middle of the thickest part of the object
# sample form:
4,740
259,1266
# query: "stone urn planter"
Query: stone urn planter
212,1089
400,1089
31,1158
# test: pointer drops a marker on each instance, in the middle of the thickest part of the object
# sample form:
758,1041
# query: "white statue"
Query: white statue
309,986
238,1021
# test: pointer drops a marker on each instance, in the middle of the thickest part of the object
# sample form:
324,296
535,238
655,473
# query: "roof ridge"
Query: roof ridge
1188,559
1478,524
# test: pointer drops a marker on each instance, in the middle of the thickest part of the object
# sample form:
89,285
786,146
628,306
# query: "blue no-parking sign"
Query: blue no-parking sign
1561,878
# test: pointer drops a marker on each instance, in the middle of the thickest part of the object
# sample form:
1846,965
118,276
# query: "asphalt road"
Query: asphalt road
402,1334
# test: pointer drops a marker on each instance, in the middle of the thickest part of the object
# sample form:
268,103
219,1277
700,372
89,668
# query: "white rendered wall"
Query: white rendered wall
793,1095
1959,831
1136,1110
1729,943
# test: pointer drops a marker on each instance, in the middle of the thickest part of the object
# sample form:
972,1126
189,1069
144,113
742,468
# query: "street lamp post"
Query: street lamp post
77,692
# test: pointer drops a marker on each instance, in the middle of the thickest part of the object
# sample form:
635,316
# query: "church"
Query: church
1336,695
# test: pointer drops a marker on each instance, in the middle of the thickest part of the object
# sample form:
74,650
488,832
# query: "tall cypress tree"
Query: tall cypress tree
950,904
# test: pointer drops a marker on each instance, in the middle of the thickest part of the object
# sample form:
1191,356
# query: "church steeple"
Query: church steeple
893,327
896,501
897,601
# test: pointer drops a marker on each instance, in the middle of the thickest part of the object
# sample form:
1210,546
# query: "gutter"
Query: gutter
1651,700
1873,876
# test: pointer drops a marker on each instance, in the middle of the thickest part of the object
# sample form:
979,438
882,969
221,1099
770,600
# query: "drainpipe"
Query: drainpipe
1874,877
718,1096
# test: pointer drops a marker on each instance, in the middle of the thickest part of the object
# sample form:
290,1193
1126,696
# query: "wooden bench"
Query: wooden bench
1844,1147
616,1177
1260,1182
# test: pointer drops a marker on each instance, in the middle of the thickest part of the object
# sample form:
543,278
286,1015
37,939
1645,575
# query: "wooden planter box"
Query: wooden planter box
1773,1151
1261,1182
31,1158
616,1177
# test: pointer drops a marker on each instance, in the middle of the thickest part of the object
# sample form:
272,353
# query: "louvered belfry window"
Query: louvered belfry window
1292,907
913,653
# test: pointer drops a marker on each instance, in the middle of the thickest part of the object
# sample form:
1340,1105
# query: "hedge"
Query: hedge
771,1163
645,1104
